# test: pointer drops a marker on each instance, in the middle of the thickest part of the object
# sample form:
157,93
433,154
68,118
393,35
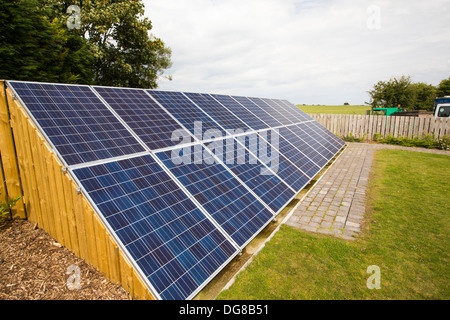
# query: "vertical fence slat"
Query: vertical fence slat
410,126
389,126
447,127
437,128
402,127
378,125
371,124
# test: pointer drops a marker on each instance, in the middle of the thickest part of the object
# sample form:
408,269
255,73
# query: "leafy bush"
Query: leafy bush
4,209
444,143
427,141
351,138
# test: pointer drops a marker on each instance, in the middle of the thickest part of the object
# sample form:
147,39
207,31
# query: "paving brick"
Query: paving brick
309,228
317,219
314,224
324,231
326,224
354,229
308,213
293,224
336,232
305,219
352,224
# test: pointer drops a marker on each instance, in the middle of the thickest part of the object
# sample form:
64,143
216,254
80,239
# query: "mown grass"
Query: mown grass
406,234
335,109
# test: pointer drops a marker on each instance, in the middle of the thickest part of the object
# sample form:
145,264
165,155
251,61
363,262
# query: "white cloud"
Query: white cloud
305,51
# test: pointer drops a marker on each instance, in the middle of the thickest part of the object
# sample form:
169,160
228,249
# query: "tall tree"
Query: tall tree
424,95
35,48
443,88
126,54
392,93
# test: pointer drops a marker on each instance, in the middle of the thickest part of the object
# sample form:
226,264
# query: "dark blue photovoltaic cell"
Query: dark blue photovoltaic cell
298,158
215,110
286,149
144,116
75,120
294,110
258,112
239,111
304,146
322,131
194,119
305,133
244,164
287,171
171,240
274,110
291,175
285,110
327,141
228,202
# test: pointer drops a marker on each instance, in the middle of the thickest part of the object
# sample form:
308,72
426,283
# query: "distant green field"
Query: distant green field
335,109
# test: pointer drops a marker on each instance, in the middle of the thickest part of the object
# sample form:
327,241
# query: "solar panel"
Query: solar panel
322,131
191,117
228,202
305,145
257,175
144,116
289,110
239,111
306,134
329,142
274,110
180,209
287,170
295,155
296,112
222,116
174,244
76,122
258,112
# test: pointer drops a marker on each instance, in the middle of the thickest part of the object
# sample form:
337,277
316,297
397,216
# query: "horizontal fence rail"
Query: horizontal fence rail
369,127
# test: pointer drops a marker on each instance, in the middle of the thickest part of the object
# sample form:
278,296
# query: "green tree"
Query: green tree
35,48
424,95
392,93
443,88
126,54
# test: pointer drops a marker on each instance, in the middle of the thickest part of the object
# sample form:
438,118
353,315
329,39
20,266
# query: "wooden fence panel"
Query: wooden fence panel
367,126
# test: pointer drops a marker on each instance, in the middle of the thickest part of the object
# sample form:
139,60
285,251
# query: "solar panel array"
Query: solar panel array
183,181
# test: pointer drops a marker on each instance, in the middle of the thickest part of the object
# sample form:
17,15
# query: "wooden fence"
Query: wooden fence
368,126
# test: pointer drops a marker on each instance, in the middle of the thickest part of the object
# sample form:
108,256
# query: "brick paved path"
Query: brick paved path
336,204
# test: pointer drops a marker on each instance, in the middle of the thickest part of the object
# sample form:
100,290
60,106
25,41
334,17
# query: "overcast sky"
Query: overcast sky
312,52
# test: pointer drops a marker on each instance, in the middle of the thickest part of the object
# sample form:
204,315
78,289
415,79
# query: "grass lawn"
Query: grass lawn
335,109
406,234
